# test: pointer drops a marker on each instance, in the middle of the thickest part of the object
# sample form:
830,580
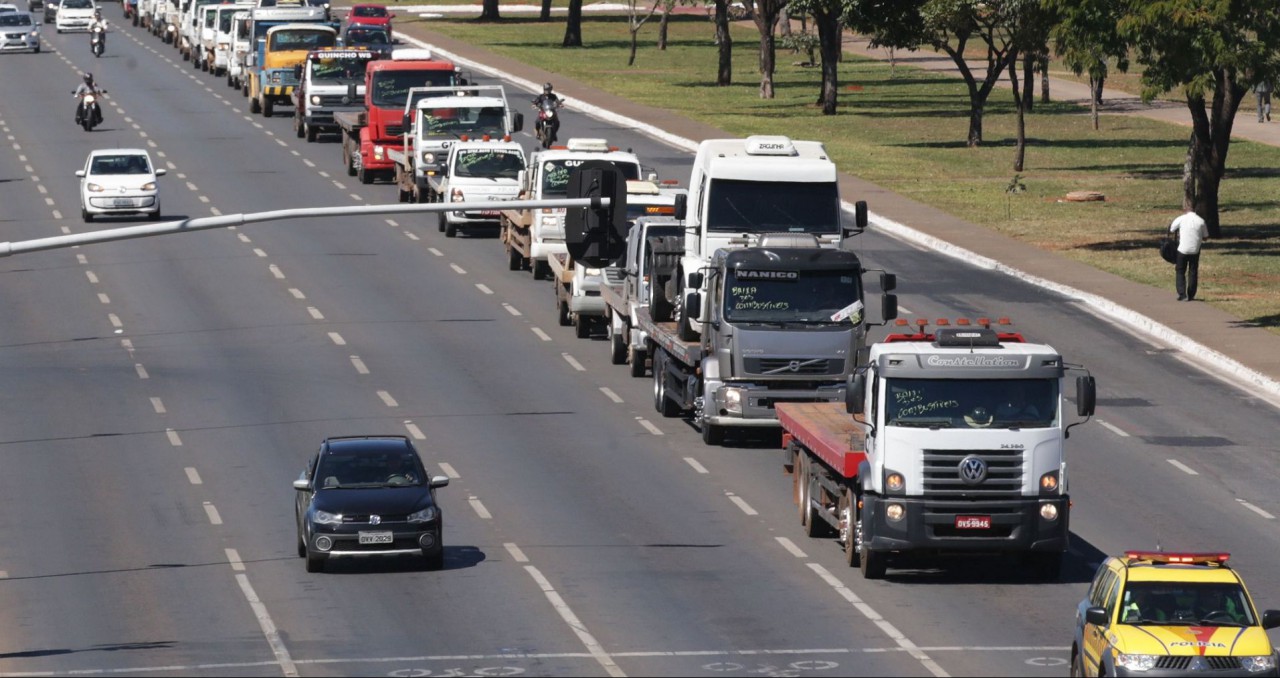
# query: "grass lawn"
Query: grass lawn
906,132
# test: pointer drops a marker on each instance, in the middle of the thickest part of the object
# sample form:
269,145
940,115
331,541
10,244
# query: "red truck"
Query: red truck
368,134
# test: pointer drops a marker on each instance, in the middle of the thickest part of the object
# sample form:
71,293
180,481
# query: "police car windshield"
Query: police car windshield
555,175
1185,604
971,403
810,297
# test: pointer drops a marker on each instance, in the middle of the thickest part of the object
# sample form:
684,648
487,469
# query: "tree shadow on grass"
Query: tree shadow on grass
1084,144
1132,170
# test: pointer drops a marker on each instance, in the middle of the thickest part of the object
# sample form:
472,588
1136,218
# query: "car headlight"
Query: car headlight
426,515
315,100
732,400
1136,662
94,188
326,518
1266,662
149,186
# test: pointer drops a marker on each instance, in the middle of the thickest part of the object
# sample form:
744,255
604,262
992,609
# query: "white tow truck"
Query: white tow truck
654,246
476,171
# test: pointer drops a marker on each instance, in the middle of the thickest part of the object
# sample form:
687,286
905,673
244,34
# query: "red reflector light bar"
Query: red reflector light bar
1180,558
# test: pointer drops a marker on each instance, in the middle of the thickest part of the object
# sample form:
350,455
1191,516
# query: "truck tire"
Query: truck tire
514,260
873,564
659,307
848,509
712,434
814,526
450,229
309,133
617,344
268,106
582,326
636,359
541,270
363,176
297,126
255,106
665,406
562,312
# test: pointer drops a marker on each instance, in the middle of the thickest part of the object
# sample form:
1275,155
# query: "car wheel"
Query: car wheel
314,563
302,547
84,214
1077,666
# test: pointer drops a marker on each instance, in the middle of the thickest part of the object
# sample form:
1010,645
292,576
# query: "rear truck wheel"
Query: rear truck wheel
514,262
813,524
562,312
617,344
297,126
665,406
314,563
873,564
255,106
581,326
268,107
683,330
541,270
712,434
795,476
1045,565
636,359
848,509
310,133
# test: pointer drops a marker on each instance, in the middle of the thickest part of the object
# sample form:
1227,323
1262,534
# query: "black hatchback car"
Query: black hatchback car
367,496
375,38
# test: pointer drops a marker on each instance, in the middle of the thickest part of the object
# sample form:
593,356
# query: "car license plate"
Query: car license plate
973,522
488,213
375,538
122,202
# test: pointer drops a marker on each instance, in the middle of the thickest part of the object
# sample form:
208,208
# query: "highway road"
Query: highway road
161,395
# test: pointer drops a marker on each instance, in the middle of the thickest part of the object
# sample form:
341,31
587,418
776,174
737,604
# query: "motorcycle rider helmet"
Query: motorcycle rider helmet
546,89
88,79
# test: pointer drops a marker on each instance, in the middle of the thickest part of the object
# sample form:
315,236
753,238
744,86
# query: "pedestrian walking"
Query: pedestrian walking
1263,91
1191,233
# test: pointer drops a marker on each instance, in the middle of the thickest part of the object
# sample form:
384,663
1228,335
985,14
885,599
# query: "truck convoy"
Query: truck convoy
329,80
368,134
434,119
475,171
282,38
956,444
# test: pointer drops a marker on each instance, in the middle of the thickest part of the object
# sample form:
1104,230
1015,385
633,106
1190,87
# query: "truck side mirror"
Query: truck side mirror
297,71
693,301
888,282
696,280
682,206
855,393
859,219
517,121
888,307
406,121
1086,396
1096,616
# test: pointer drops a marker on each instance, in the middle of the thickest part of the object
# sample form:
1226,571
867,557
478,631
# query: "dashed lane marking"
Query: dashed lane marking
414,431
791,547
315,313
93,277
435,251
258,251
193,476
573,362
479,508
1183,467
411,236
212,511
173,437
82,259
142,371
387,399
57,214
458,269
608,393
158,405
308,163
512,310
541,335
115,320
297,293
449,470
392,222
696,466
357,363
104,298
648,426
268,628
275,271
1256,510
337,339
516,554
484,288
243,238
341,186
742,504
1113,428
233,557
356,196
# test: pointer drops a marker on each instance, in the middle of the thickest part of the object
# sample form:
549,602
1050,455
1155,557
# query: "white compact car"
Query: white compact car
18,33
119,181
75,15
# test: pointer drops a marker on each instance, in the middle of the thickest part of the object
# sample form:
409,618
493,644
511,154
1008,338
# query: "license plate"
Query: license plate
488,213
122,202
375,538
973,522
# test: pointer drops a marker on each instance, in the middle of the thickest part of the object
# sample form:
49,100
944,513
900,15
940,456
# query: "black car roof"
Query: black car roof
367,444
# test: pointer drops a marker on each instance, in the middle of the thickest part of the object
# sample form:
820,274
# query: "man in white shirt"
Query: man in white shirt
1191,232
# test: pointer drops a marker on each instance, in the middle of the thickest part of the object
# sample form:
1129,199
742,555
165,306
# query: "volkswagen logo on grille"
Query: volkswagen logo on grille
973,470
376,519
794,366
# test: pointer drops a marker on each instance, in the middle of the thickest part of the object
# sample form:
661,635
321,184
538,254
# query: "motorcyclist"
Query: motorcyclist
86,87
547,99
546,96
98,27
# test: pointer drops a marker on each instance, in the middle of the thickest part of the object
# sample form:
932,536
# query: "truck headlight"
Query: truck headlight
429,158
326,518
1136,662
377,152
894,482
732,400
426,515
1049,483
315,100
1266,662
1048,511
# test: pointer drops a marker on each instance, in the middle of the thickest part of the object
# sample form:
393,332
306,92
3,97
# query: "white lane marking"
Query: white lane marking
233,557
648,426
516,554
215,211
411,236
115,320
458,269
281,142
65,230
435,251
512,310
269,132
696,466
192,187
57,214
889,629
742,504
608,393
127,344
392,222
341,186
268,628
337,339
1183,467
260,252
1256,510
357,363
104,298
449,470
315,313
243,238
212,512
386,398
193,475
308,163
275,271
572,362
49,202
415,431
580,629
541,335
323,174
142,371
479,508
82,259
157,405
356,196
1113,428
297,293
93,277
42,189
484,288
172,435
791,547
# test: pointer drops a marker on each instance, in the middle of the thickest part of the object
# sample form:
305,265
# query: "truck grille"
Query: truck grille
336,100
789,366
942,474
395,130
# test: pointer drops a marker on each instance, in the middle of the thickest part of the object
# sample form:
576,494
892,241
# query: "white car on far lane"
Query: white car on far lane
119,181
75,15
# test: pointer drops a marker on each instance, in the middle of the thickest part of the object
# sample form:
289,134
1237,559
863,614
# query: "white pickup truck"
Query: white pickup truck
476,171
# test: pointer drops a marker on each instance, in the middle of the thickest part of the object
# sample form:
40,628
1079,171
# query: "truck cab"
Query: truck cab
189,26
241,39
438,117
217,51
477,171
329,80
273,77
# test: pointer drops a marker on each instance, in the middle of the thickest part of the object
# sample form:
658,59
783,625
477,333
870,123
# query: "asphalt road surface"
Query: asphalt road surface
160,396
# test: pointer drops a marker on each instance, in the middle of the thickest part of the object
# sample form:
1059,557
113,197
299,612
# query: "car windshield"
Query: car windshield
811,297
555,175
15,20
340,470
1185,604
391,88
476,121
971,403
504,163
120,164
773,207
77,4
368,36
301,39
369,11
344,71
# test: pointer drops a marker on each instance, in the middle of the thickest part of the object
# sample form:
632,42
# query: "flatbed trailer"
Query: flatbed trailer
583,310
517,238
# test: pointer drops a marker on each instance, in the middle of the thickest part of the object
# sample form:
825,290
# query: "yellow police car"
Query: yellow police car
1171,614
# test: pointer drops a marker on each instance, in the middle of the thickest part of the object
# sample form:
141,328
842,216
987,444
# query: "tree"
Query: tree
1087,39
1030,23
573,27
829,19
766,18
724,41
489,11
667,6
635,22
545,14
947,26
1213,51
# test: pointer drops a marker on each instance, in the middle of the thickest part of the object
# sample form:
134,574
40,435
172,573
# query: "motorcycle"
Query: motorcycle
97,40
548,124
88,112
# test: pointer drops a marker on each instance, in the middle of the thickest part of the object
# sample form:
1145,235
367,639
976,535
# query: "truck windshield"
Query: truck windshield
301,39
555,175
391,88
476,121
971,403
342,71
812,297
773,207
210,17
490,164
225,19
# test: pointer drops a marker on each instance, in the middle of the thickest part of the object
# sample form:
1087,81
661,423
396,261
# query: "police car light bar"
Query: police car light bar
1179,558
922,333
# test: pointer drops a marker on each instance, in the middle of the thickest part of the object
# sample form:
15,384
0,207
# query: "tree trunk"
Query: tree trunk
573,27
766,19
631,58
1211,143
826,14
545,14
1097,88
784,25
724,68
978,93
1189,174
489,11
1029,81
1020,102
1043,63
1093,103
662,26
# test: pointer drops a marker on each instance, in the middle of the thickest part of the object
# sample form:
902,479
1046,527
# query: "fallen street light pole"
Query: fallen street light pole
596,204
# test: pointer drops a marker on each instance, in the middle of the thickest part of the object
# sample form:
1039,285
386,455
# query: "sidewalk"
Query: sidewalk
1152,310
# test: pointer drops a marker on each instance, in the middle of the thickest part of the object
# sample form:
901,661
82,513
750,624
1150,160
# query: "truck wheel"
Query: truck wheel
363,176
562,314
297,126
541,270
848,509
244,88
637,359
659,307
809,520
581,327
617,344
450,230
268,107
255,106
349,160
873,564
683,330
665,406
513,259
712,434
310,133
